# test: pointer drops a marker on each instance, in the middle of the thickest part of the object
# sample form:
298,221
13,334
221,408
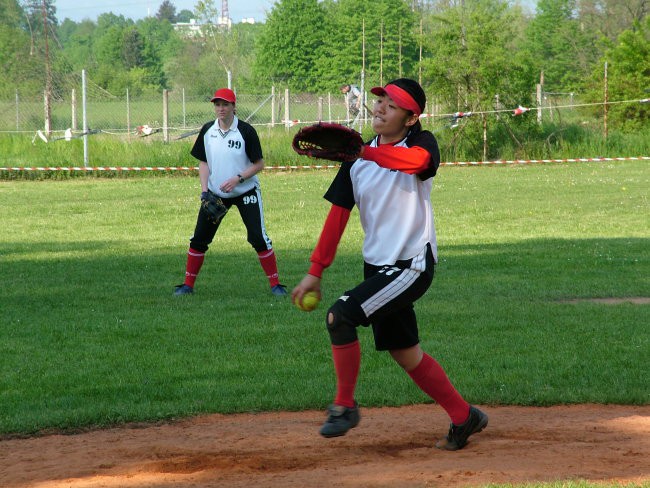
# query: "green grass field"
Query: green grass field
92,335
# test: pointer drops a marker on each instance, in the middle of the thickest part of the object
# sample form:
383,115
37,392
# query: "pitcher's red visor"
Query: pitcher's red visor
400,96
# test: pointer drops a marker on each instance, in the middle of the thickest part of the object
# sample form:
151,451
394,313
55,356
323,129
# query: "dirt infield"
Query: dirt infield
392,447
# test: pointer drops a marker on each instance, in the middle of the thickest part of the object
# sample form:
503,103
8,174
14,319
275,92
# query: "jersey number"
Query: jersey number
390,270
234,144
251,199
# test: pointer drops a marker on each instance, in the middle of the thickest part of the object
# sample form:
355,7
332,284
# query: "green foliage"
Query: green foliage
291,43
557,45
628,75
466,68
166,11
10,13
390,45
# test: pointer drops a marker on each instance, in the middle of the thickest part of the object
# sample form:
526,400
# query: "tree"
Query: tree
290,44
77,41
132,48
471,55
185,16
10,13
167,11
21,73
559,47
609,18
386,28
628,66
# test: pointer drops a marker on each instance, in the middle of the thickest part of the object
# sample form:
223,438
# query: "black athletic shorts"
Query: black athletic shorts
384,300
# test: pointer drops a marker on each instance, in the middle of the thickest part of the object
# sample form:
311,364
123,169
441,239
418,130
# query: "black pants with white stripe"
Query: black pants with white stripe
251,211
384,300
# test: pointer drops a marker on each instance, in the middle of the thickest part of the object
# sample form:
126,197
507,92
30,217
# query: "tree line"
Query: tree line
467,53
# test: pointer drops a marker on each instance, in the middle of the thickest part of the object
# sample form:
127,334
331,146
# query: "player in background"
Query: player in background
390,183
230,156
352,101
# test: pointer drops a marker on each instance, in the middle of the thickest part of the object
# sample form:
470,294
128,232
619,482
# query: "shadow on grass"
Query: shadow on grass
93,336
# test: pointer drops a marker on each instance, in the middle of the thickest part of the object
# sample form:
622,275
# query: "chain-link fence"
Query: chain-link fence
171,114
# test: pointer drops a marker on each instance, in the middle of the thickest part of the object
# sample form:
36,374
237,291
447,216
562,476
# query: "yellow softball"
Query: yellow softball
310,301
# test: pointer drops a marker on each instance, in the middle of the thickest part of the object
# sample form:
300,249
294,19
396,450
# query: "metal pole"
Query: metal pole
273,108
287,121
17,110
166,115
606,100
184,111
128,114
73,102
84,116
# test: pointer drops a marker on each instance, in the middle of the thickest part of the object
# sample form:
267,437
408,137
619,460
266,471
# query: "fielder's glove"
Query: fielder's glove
213,207
334,142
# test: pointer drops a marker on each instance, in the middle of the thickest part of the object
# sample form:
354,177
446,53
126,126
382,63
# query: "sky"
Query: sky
139,9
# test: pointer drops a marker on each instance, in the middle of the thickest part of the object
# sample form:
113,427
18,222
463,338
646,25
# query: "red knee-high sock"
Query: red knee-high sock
433,381
194,262
347,360
270,266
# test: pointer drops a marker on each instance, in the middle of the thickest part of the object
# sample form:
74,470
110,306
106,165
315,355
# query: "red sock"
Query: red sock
347,360
270,266
194,262
433,381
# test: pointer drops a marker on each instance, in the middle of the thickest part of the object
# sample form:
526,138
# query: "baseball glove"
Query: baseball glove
334,142
213,207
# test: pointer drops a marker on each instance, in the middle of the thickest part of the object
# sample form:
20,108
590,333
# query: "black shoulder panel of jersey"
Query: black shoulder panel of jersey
198,150
251,140
341,192
426,140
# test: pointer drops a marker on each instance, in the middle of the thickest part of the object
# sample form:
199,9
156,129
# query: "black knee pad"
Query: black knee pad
340,325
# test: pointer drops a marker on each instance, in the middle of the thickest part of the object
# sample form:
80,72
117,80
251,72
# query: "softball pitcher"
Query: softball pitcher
390,183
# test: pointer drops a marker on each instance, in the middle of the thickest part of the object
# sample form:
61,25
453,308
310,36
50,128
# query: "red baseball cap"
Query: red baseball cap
409,95
224,94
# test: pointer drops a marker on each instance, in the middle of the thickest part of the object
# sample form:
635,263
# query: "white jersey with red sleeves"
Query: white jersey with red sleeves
394,208
228,153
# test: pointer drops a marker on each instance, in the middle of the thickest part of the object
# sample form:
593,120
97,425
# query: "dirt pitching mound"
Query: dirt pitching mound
391,447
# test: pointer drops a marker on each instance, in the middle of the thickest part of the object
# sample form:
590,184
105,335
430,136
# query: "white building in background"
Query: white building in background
193,27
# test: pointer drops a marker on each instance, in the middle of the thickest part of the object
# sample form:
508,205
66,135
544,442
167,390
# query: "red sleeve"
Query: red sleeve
325,250
411,160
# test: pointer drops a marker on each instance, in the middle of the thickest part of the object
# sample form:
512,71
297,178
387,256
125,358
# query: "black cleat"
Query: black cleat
183,290
340,419
458,434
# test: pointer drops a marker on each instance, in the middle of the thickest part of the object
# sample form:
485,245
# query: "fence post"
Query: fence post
539,103
184,110
84,114
273,102
128,114
73,103
320,109
329,106
605,108
287,119
165,115
17,110
48,110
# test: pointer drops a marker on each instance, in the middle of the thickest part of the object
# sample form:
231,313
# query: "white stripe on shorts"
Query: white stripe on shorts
396,287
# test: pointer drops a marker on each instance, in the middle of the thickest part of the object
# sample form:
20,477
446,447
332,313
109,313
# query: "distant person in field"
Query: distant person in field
390,183
230,156
352,101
